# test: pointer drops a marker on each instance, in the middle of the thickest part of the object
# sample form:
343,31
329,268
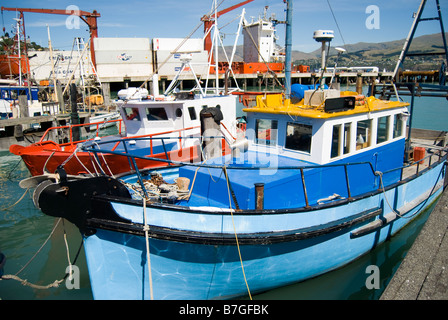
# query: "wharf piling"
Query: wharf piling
423,274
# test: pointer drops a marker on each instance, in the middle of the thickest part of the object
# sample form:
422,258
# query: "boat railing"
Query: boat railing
382,180
180,135
71,141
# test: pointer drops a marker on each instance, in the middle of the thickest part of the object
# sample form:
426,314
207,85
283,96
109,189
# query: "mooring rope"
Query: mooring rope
13,205
380,174
236,236
25,282
15,166
54,284
146,229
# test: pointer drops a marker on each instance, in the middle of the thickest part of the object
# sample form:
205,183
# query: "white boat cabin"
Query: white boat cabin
150,117
312,135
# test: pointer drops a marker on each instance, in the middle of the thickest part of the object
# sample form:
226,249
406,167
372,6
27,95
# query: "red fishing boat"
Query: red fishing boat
159,129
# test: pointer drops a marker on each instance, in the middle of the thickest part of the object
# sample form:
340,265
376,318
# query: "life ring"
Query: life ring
360,100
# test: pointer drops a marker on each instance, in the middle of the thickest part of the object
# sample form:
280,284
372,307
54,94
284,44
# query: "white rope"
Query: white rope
25,282
104,159
234,230
380,174
82,164
68,253
21,198
146,229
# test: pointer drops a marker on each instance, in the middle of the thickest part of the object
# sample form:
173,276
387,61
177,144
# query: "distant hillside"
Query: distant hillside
383,55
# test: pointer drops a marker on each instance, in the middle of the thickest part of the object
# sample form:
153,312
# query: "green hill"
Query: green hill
383,55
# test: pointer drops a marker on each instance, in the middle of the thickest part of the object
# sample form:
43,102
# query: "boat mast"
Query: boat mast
288,48
18,49
52,63
216,49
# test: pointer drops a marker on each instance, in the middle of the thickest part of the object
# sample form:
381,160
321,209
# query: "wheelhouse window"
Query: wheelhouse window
363,134
341,139
346,138
192,113
383,128
298,137
156,114
335,141
132,114
266,131
398,125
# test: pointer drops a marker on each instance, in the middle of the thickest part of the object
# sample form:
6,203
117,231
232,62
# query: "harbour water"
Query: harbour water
24,229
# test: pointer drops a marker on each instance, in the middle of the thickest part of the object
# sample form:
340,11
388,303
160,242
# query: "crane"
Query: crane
209,22
88,17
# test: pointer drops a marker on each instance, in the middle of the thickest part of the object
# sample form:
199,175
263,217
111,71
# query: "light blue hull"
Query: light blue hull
314,242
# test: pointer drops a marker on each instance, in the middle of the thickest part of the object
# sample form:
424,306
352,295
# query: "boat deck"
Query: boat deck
432,154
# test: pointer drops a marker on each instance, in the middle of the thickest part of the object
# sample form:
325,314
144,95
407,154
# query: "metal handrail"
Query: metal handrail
442,158
70,127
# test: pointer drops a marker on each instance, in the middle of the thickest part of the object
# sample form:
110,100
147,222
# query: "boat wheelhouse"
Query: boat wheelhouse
337,134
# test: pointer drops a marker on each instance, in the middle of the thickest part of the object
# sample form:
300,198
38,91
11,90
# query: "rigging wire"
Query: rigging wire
337,24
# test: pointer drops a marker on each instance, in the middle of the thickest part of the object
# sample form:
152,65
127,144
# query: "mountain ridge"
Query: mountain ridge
382,54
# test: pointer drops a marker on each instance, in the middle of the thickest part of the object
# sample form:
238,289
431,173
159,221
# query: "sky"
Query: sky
353,21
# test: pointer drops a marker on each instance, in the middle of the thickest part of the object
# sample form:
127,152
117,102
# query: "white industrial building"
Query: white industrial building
64,65
121,61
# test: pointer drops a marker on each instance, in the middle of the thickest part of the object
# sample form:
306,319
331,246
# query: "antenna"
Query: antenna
340,52
323,36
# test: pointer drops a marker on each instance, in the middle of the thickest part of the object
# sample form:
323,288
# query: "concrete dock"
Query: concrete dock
423,274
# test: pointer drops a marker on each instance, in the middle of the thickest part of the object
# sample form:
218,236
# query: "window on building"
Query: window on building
383,128
266,131
156,114
298,137
363,134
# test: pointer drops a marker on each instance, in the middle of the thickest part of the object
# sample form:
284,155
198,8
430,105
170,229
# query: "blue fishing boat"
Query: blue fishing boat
311,187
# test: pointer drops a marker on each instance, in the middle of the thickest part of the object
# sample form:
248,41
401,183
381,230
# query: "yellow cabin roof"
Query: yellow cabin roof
276,104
